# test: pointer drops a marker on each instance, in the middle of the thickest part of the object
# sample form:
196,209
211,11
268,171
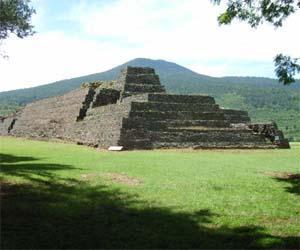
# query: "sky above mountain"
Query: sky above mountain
79,37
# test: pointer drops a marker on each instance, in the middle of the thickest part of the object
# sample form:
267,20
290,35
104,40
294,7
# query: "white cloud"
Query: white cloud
113,32
54,56
185,29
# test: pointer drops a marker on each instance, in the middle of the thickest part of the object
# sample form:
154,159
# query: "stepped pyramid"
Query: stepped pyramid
136,112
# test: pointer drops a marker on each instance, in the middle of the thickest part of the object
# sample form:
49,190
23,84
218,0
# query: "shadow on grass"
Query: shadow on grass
5,158
62,213
25,167
293,180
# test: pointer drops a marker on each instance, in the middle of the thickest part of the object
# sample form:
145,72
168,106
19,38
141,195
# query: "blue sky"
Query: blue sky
79,37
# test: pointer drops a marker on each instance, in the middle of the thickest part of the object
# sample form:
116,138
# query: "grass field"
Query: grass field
56,196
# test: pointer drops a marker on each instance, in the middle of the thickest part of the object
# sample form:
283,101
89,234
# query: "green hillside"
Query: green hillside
265,99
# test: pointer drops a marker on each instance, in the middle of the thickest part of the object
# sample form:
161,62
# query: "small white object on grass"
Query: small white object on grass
115,148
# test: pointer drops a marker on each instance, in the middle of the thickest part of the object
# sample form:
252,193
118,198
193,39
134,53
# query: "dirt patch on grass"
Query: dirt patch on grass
113,177
284,175
89,176
123,179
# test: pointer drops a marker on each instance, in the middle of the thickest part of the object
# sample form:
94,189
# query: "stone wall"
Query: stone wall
52,117
101,126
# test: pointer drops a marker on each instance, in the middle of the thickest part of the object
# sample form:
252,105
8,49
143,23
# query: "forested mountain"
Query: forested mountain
264,98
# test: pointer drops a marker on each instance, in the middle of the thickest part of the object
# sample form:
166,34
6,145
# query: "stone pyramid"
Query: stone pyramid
136,112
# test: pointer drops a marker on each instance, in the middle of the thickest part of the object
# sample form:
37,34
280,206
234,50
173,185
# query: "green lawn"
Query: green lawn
56,196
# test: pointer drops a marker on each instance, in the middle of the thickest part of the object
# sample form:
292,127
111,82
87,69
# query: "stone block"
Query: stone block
138,70
143,88
181,98
145,79
163,106
176,115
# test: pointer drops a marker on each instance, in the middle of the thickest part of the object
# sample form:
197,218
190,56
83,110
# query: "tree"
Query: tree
255,12
15,17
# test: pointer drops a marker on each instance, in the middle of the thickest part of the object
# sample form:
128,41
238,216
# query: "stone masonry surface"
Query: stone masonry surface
136,112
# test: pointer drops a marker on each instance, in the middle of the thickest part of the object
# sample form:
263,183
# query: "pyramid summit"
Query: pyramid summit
136,112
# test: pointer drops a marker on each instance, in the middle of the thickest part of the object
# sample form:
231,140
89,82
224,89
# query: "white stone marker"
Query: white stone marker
115,148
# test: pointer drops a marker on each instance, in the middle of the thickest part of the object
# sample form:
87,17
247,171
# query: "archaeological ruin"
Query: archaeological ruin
136,112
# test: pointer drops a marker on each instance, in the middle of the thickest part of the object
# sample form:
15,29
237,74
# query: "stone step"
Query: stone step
236,116
197,129
143,88
142,123
185,115
193,123
163,106
169,98
238,119
146,144
139,70
192,136
215,145
234,112
142,79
